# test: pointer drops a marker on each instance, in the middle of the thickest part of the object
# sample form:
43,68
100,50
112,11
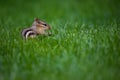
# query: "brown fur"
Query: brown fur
39,27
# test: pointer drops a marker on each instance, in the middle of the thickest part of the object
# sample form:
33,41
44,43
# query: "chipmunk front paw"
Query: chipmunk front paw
49,34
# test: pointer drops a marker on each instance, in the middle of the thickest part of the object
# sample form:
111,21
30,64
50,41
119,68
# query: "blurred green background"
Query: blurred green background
85,41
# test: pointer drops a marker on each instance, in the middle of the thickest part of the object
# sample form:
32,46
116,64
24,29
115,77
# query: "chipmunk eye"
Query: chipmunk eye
45,24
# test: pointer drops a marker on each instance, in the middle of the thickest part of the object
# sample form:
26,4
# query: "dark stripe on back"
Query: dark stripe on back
32,34
27,31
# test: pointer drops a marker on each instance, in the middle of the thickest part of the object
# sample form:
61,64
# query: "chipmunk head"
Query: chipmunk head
40,26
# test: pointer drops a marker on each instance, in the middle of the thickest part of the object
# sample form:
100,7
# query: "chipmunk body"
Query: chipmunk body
38,28
28,33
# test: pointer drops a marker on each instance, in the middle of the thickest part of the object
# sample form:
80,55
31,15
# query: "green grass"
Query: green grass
85,41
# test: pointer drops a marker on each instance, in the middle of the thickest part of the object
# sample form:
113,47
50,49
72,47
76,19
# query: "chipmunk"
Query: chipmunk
38,28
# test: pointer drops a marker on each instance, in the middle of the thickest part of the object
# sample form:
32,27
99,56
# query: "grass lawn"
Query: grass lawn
85,41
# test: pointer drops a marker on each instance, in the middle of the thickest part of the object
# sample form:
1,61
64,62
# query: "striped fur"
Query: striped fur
38,28
28,33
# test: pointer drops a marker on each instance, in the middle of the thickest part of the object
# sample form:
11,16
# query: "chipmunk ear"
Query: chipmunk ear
36,19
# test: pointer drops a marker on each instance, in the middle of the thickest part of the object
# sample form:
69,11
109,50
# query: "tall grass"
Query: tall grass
85,41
